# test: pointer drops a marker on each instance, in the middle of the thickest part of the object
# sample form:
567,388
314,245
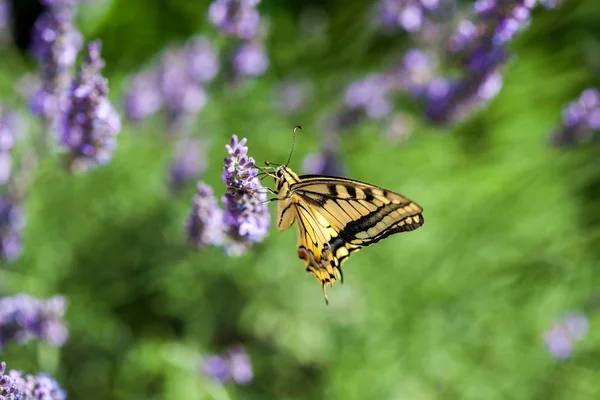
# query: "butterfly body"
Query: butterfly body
338,216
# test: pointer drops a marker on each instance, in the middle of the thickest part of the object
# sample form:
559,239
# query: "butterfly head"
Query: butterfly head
283,176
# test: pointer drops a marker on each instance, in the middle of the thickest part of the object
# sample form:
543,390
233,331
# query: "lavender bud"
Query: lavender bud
370,95
204,224
8,130
11,230
181,93
580,119
233,366
237,18
142,96
561,338
24,318
324,162
250,59
246,217
216,368
90,122
31,387
202,60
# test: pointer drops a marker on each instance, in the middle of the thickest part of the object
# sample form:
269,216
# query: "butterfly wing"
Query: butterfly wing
361,213
320,245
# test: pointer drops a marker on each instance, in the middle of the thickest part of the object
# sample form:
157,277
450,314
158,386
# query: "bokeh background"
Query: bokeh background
462,308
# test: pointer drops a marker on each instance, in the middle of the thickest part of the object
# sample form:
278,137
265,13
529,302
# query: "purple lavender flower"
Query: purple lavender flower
246,217
202,60
55,43
250,59
580,119
324,162
24,318
8,129
563,335
31,387
235,365
189,162
453,101
142,97
416,72
370,95
411,15
204,225
90,122
9,387
11,230
237,18
240,365
182,94
216,368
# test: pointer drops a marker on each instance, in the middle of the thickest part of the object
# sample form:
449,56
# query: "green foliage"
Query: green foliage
454,310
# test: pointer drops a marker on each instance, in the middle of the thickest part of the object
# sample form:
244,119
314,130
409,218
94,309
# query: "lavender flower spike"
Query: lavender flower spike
204,224
31,387
8,131
24,318
235,365
11,229
90,123
55,42
246,216
580,119
561,338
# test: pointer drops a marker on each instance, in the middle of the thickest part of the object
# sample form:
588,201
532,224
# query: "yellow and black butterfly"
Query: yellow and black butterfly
337,216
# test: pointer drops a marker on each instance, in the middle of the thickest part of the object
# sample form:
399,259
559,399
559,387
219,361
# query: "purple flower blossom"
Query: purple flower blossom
202,60
416,72
24,318
204,225
250,59
12,223
370,95
216,368
189,162
580,119
55,43
90,122
411,15
563,335
235,365
324,162
237,18
142,97
246,217
31,387
183,96
8,130
452,101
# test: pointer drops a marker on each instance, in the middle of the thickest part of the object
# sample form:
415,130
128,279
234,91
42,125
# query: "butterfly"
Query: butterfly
336,217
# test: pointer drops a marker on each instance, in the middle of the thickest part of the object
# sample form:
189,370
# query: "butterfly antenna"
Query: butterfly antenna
293,142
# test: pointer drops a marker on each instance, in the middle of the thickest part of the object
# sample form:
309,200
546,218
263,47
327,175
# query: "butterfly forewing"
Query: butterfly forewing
362,214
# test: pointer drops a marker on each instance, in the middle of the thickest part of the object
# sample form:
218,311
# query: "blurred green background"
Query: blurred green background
455,310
